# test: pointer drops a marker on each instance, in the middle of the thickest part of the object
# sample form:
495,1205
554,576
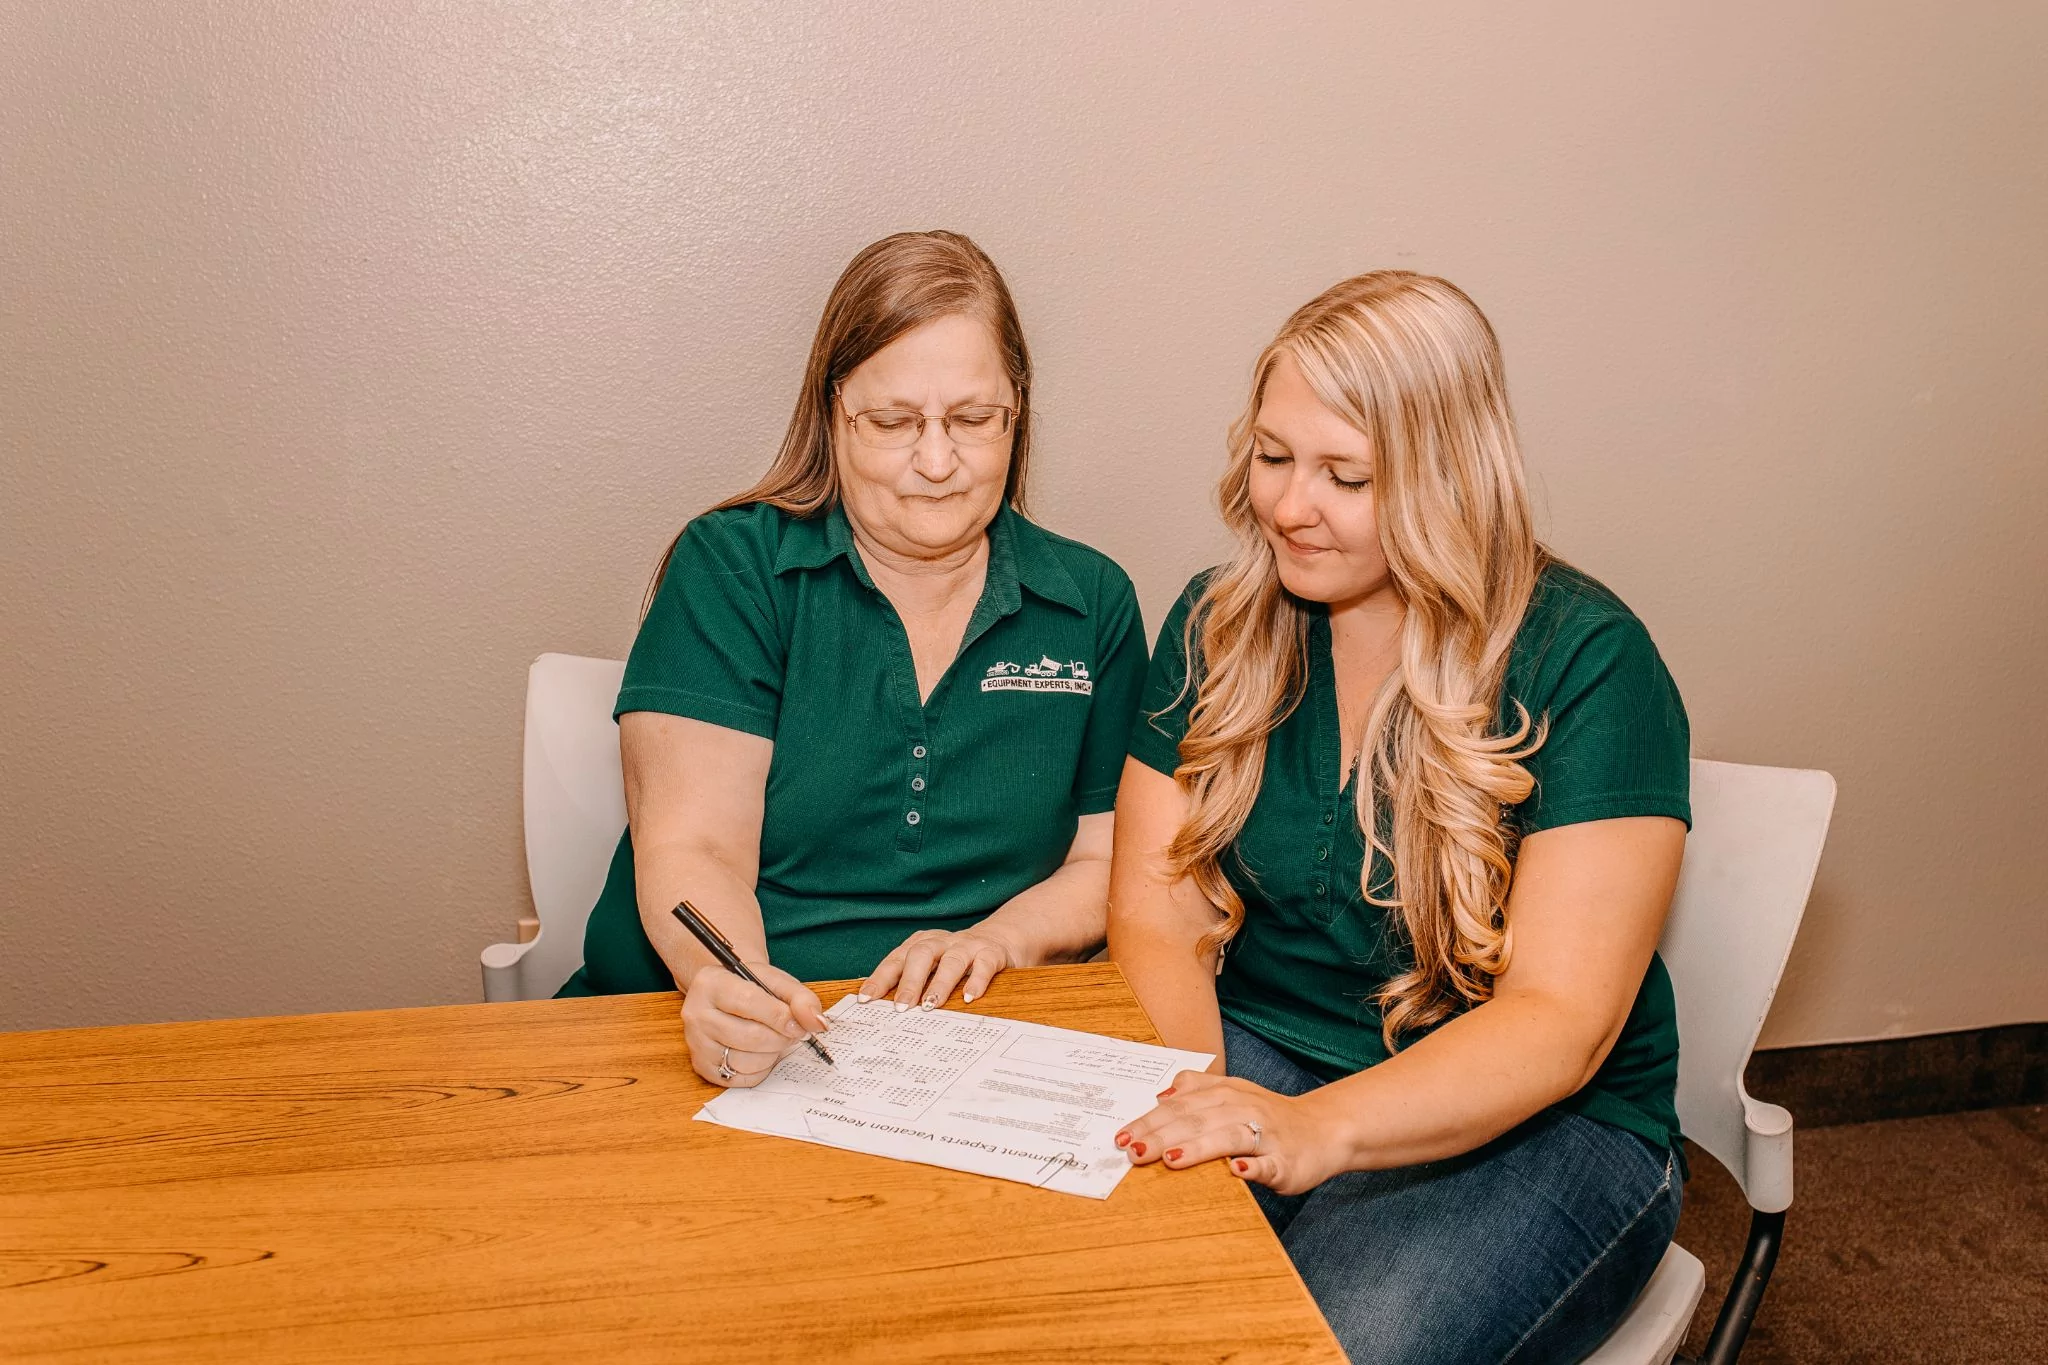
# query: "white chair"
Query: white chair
575,811
1756,839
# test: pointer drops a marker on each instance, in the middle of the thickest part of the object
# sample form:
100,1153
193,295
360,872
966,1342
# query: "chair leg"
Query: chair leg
1738,1310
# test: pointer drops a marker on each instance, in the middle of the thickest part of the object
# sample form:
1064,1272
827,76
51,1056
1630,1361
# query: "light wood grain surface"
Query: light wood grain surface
524,1182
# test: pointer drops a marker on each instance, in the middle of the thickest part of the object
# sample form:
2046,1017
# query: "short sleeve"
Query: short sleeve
1162,718
709,648
1119,678
1618,742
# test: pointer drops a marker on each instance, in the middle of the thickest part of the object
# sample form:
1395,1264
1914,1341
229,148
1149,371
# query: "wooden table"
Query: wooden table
524,1182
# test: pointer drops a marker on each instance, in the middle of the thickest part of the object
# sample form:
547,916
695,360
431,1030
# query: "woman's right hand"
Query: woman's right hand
729,1021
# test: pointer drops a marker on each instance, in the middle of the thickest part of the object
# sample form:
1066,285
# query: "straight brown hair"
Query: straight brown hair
892,287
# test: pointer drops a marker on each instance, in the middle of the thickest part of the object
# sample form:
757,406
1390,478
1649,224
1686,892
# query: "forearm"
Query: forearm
1058,920
1176,987
1157,916
679,870
1463,1085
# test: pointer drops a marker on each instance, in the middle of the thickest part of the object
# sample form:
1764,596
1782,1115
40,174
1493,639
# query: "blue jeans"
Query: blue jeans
1528,1249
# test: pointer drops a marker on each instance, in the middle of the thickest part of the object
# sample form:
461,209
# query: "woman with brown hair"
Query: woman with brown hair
1405,808
873,722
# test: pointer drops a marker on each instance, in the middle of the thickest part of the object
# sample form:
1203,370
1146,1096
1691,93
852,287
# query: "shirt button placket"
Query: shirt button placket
913,816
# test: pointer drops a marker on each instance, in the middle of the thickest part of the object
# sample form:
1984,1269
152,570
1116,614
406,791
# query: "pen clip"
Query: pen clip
699,921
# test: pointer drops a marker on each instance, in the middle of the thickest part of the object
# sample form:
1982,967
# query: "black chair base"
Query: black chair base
1746,1294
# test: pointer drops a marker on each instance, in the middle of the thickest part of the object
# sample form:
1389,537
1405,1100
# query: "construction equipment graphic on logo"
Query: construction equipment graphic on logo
1047,675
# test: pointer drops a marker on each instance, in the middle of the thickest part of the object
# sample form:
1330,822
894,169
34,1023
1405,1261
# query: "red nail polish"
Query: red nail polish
1173,1154
1242,1166
1123,1139
1137,1149
1164,1093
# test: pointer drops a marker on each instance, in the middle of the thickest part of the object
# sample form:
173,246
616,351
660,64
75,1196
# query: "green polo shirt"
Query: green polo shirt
883,815
1303,970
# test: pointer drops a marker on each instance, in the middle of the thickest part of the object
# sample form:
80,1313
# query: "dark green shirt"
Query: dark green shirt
1303,970
883,815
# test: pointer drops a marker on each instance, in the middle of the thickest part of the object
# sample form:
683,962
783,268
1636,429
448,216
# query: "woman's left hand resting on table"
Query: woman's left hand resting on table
1204,1117
1058,920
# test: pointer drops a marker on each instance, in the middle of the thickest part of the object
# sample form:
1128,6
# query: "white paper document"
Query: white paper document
970,1092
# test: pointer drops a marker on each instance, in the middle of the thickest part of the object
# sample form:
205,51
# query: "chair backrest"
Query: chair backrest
1756,840
575,806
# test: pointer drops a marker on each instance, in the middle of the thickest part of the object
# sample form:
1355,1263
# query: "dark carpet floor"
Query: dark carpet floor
1912,1240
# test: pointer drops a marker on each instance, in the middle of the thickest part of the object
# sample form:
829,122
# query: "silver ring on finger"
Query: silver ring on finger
1258,1135
725,1071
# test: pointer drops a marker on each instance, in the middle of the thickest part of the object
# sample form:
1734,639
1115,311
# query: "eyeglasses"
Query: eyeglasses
977,424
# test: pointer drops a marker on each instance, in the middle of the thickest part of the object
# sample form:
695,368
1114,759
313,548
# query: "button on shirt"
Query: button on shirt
883,814
1313,951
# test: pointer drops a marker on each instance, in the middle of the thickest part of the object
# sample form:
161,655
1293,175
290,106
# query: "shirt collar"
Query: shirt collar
1037,566
813,542
1020,553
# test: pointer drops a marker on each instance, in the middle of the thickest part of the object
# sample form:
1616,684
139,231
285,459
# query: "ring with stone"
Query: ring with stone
725,1071
1258,1135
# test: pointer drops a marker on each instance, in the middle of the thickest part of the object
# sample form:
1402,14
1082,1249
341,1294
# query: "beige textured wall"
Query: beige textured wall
353,354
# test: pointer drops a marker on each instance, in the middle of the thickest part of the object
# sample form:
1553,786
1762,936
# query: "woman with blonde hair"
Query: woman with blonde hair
874,720
1405,807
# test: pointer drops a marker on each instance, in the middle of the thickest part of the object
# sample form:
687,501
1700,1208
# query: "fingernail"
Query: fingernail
931,1002
1173,1154
794,1030
860,999
1137,1149
1123,1139
1242,1166
1164,1093
902,1005
968,998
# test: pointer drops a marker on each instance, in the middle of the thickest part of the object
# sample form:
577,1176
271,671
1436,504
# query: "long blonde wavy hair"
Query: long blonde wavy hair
1410,361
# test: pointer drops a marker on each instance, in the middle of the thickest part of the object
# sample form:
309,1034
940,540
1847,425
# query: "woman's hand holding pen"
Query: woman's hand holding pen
737,1031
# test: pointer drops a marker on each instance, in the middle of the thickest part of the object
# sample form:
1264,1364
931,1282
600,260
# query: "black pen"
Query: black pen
715,944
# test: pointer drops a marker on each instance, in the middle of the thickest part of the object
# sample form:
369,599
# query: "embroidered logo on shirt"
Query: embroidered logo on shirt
1047,675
